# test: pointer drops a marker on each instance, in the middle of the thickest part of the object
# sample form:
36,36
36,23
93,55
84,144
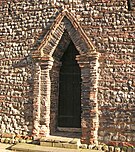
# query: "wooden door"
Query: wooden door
69,108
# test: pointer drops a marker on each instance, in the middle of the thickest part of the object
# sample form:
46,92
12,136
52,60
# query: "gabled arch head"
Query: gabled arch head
65,21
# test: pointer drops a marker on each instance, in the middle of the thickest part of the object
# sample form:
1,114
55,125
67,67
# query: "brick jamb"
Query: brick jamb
89,110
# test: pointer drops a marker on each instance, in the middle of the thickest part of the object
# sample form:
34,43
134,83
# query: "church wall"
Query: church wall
110,27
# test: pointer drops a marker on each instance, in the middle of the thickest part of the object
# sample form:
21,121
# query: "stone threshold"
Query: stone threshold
36,148
61,142
23,147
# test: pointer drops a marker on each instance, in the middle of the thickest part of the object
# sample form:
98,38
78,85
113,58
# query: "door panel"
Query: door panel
69,90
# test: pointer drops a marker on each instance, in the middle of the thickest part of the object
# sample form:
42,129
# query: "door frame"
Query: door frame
44,114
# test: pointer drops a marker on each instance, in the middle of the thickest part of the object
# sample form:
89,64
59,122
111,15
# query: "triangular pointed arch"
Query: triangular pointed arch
64,21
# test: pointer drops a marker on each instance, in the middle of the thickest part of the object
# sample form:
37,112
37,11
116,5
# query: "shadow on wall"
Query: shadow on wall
22,97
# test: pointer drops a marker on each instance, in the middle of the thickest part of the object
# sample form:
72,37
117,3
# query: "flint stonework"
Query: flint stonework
33,38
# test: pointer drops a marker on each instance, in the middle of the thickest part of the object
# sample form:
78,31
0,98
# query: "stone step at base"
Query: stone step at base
61,142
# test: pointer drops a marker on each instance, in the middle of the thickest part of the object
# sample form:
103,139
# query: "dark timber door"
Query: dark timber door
69,90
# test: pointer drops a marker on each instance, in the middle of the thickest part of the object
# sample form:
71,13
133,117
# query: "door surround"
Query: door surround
47,59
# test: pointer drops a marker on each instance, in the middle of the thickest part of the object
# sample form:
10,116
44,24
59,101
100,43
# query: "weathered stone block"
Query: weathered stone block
47,144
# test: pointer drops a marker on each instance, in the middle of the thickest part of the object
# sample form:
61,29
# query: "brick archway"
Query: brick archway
47,60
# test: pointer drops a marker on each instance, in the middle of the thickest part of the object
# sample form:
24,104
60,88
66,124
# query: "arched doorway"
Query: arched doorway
69,105
46,79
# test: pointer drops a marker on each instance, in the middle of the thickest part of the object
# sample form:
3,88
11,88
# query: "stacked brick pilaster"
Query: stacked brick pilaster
89,73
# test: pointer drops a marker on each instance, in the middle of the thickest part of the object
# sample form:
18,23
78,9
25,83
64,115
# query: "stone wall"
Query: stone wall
109,26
